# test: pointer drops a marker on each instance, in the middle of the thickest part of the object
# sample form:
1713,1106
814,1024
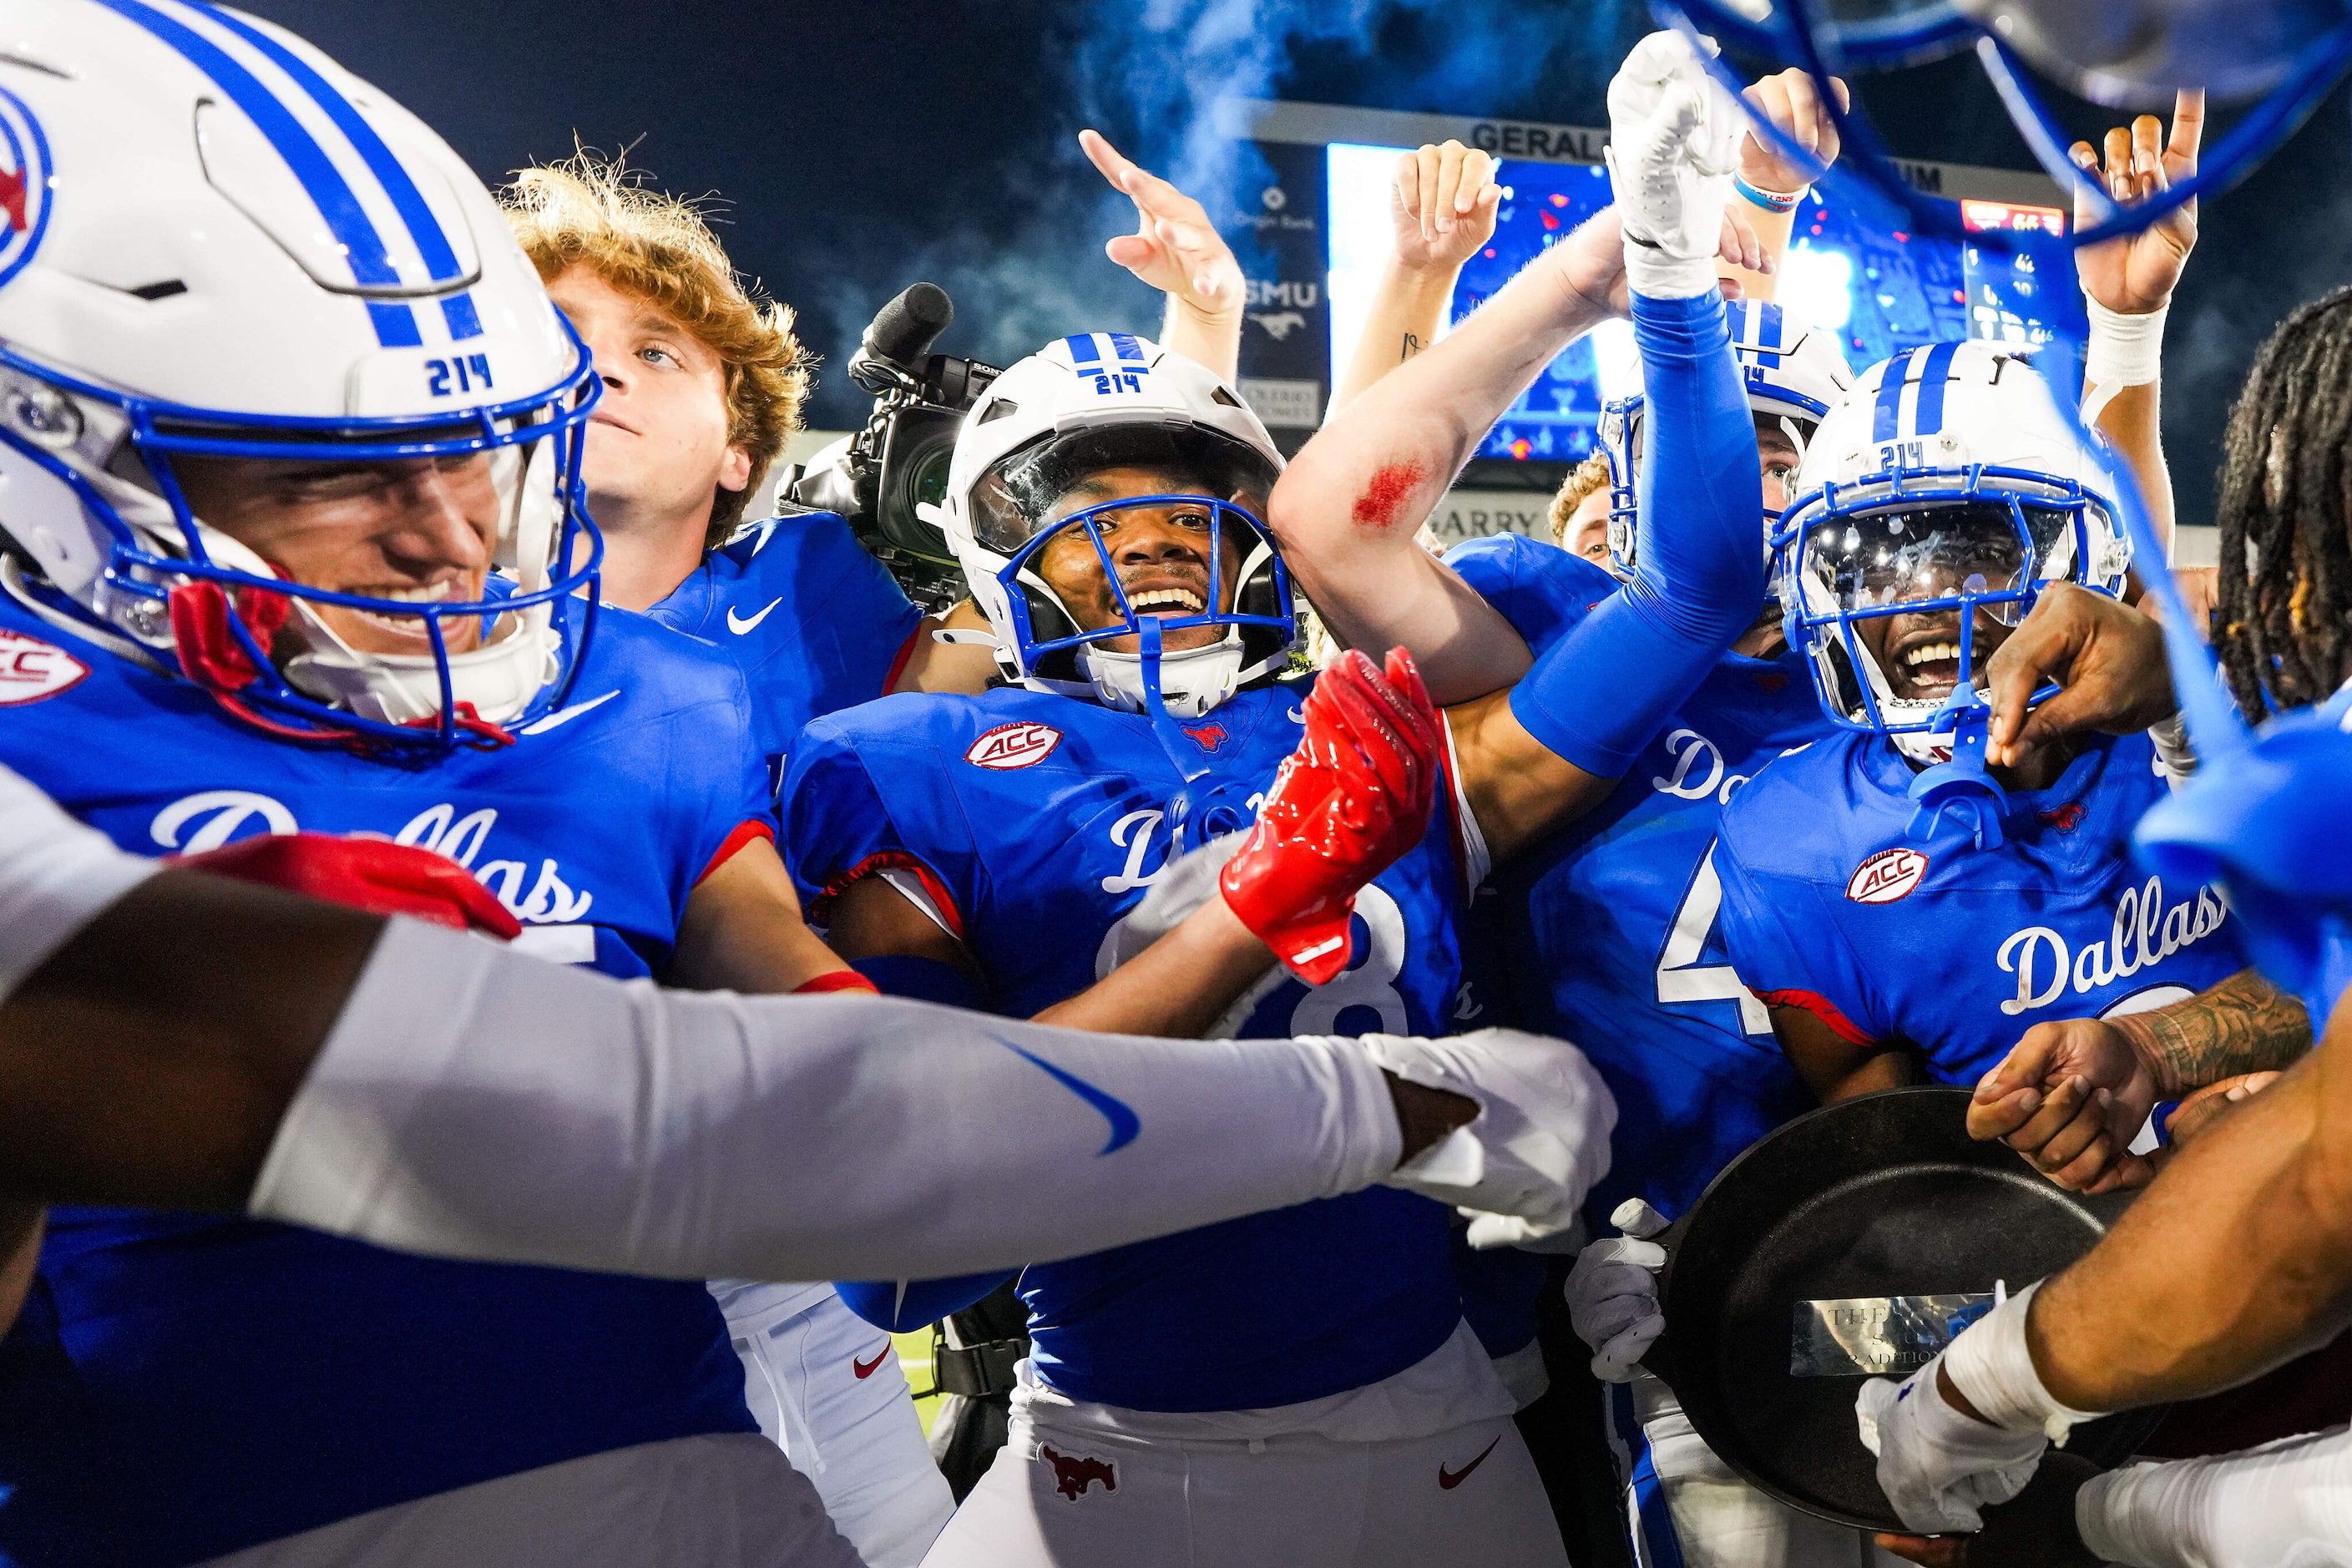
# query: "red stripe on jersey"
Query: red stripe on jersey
745,832
1821,1007
836,980
821,906
906,653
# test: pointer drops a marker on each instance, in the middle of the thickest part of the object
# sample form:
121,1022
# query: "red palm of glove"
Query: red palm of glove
370,874
1354,797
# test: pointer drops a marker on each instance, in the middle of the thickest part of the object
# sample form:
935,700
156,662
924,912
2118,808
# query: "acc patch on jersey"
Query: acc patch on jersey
1016,745
31,669
1886,876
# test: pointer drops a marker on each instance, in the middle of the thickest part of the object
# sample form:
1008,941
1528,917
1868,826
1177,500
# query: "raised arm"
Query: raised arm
1347,510
1176,249
1441,204
2127,286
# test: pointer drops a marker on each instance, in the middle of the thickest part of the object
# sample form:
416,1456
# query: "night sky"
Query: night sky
859,146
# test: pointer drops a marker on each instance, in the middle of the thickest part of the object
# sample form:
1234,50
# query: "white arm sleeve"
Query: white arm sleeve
2283,1505
477,1103
56,876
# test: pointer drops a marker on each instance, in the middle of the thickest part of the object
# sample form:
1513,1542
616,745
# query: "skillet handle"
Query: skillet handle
1660,1358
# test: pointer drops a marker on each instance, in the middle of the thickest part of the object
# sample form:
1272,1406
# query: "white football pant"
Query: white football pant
1078,1486
826,1387
1687,1509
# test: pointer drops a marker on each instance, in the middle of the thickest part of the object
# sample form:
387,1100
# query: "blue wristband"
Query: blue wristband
1770,201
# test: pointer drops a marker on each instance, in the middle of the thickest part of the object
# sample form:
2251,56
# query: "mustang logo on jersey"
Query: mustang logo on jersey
1886,876
1016,745
2145,931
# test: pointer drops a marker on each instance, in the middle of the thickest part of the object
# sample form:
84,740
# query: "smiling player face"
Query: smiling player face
422,530
1924,555
1160,553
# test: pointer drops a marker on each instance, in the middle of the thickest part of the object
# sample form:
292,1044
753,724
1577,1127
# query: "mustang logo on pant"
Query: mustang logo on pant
1073,1473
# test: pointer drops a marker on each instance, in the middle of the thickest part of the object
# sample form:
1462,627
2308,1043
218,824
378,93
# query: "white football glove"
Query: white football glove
1939,1466
1673,147
1539,1140
1612,1292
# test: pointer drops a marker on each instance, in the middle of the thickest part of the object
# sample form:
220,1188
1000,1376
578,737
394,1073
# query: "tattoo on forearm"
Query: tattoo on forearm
2243,1025
1412,346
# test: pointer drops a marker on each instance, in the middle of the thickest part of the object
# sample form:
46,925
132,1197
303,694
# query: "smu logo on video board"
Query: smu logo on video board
24,184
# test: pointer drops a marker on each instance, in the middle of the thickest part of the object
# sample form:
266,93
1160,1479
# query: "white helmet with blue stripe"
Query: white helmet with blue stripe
1947,485
1795,374
215,242
1084,405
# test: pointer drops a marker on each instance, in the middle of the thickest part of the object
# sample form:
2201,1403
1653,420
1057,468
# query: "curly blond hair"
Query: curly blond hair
590,211
1591,475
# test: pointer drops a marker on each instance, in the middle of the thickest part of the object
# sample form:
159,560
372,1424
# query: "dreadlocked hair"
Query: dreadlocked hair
2283,611
593,212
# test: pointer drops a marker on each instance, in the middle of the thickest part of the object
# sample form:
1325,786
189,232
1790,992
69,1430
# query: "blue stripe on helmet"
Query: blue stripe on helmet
440,257
1890,395
1124,346
396,324
1933,376
345,218
465,322
1082,349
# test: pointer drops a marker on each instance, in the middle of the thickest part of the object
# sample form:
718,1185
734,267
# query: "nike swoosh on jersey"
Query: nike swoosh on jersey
1124,1123
865,1369
1448,1479
565,715
738,625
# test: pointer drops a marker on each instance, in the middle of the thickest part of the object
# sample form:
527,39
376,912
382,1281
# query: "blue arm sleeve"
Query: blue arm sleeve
896,1306
1598,696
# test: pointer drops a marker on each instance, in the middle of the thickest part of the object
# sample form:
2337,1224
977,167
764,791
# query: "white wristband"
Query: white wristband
56,876
1991,1365
2124,351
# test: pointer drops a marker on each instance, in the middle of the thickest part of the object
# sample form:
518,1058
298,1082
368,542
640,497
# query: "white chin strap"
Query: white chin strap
1192,681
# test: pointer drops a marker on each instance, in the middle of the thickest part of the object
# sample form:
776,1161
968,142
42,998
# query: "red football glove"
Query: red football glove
370,874
1352,798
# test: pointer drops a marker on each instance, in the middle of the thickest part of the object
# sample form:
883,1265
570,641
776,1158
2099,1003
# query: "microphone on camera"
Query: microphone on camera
902,332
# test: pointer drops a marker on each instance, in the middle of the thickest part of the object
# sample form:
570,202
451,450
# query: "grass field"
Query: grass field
915,1360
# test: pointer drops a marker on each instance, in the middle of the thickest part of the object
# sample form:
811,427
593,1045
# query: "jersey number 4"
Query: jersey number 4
1680,976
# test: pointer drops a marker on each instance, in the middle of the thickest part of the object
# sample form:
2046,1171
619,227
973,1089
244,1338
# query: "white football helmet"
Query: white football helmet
1085,404
214,241
1946,481
1795,374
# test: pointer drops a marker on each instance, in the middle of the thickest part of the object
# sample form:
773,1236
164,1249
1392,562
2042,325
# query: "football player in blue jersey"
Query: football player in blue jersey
1937,504
1093,488
297,543
703,386
2237,1257
1609,926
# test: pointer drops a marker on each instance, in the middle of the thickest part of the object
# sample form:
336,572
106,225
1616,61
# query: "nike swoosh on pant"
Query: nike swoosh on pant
865,1369
738,625
1448,1479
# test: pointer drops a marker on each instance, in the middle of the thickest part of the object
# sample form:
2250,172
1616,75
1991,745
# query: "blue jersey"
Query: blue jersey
815,622
1611,937
1035,823
179,1386
1831,904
